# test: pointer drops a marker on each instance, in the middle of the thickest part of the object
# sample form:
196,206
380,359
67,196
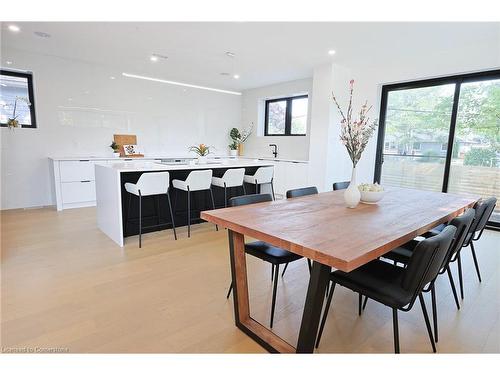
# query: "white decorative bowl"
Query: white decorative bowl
371,197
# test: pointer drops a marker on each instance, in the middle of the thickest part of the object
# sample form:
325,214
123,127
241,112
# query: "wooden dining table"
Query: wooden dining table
321,228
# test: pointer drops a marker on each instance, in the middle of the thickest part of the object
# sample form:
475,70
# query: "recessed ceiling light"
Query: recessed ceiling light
70,99
156,57
14,28
331,52
3,84
180,83
224,74
230,54
8,62
112,77
41,34
236,76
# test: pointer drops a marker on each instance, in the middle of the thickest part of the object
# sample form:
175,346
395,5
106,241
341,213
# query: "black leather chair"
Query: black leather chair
341,185
264,250
403,255
397,287
487,205
484,209
295,193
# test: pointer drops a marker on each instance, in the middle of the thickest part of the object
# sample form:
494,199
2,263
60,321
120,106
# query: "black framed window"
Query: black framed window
446,135
17,85
286,116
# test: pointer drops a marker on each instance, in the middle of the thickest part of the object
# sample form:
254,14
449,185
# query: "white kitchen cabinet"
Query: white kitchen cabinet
279,180
296,175
289,175
74,182
78,192
79,170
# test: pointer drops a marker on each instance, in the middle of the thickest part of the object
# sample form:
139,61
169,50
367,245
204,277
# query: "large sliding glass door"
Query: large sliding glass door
442,135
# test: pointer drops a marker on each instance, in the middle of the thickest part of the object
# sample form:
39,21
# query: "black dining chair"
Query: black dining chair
484,208
341,185
403,255
300,192
397,287
263,250
295,193
488,205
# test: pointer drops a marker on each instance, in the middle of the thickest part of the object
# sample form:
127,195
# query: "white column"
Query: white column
328,159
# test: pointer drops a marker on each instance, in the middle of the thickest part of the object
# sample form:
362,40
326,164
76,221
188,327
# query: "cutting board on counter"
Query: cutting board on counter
126,139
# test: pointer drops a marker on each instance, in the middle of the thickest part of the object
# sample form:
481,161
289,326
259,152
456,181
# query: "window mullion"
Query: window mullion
288,117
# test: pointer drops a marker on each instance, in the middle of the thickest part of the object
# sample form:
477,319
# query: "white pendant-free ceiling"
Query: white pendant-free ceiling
265,53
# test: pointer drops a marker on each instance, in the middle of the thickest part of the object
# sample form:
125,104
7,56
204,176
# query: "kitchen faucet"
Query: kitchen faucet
275,151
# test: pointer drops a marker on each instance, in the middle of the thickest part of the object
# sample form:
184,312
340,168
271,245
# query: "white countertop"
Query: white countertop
96,158
144,166
226,157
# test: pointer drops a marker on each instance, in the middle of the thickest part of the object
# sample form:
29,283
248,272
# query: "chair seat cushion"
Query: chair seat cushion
434,231
249,179
403,253
218,181
270,253
131,188
399,254
378,280
179,184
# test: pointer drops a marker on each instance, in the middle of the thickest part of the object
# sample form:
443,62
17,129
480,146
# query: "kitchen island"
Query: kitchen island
110,193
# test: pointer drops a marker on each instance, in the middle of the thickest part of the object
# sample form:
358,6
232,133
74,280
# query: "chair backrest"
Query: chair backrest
153,183
294,193
264,175
426,260
249,199
234,177
199,180
462,223
485,208
341,185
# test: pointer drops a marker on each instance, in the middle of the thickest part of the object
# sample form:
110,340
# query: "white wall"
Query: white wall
368,83
253,108
79,108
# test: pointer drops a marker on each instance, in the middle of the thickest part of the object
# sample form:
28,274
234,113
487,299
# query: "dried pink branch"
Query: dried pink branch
355,133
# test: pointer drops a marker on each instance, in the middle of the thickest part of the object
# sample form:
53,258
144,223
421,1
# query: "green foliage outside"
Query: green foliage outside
422,114
481,157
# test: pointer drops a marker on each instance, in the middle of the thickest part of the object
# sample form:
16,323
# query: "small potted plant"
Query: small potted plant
233,149
12,122
240,137
116,149
202,151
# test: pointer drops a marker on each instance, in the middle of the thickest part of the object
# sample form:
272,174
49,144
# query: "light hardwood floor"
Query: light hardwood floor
66,285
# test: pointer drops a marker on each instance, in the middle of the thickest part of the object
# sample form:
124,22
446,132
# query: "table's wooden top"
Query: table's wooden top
322,228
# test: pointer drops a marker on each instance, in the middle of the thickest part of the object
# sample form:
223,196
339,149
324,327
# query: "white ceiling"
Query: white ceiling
266,53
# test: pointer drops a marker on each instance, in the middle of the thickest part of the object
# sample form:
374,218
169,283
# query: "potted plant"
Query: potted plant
233,149
12,122
355,132
240,137
116,149
202,151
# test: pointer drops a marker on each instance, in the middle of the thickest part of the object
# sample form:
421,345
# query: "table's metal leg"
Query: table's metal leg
320,275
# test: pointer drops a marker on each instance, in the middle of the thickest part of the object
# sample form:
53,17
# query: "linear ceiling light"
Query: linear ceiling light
180,84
